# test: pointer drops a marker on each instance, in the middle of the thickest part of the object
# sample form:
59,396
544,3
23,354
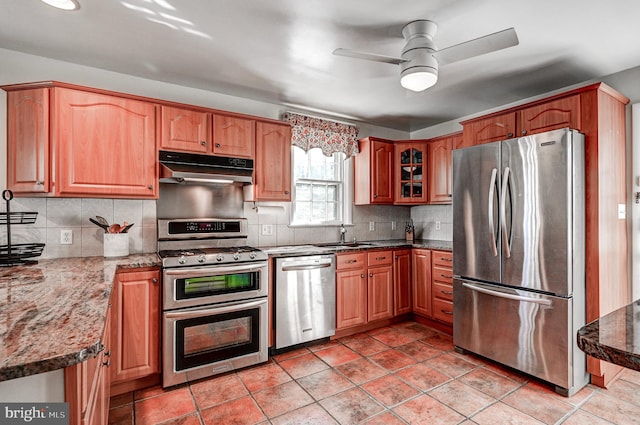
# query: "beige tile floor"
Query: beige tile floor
401,374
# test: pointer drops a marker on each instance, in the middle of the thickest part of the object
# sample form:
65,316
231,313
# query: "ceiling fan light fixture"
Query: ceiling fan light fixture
418,78
63,4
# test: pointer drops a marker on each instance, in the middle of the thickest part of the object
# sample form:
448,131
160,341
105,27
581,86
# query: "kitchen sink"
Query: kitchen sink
341,245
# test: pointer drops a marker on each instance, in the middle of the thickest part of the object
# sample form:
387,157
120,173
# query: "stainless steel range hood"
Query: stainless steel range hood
181,167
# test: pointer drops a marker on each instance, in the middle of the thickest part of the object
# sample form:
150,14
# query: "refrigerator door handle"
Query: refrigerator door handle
492,227
503,213
505,295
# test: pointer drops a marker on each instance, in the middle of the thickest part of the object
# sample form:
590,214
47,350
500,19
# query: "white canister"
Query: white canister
116,244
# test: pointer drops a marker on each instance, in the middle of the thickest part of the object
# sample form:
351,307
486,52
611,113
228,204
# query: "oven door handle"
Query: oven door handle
215,310
214,270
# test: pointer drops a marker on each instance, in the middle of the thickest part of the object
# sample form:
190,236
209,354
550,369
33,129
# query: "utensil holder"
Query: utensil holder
116,244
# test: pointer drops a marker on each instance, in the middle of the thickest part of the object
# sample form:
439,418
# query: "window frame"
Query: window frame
345,188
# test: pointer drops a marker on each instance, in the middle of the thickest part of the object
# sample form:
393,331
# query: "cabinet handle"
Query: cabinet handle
509,134
218,145
450,195
446,276
524,132
382,258
150,187
203,143
286,192
446,292
351,261
397,257
370,274
450,313
362,276
445,259
39,182
154,280
375,195
107,363
107,353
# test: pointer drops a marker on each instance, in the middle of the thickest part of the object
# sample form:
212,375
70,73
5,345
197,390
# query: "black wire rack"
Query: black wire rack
17,254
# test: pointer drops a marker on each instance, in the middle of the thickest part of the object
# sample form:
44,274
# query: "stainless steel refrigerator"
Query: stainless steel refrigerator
519,262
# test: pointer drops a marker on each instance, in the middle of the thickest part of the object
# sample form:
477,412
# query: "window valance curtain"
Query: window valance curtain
330,136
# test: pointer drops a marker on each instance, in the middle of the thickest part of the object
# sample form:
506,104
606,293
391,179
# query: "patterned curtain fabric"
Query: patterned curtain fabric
330,136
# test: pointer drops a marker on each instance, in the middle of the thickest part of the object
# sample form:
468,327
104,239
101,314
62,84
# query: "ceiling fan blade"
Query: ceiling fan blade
368,56
476,47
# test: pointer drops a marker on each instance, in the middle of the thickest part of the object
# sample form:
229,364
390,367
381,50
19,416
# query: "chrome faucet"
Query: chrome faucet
343,231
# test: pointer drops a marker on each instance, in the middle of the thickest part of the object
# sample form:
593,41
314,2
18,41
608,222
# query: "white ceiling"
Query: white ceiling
279,51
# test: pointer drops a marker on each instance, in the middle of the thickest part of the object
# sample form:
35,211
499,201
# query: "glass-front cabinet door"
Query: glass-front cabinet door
411,172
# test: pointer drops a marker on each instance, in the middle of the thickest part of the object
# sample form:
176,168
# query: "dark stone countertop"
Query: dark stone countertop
614,337
52,313
299,250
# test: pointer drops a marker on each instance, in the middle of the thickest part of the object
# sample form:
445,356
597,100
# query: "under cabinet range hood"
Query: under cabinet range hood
181,167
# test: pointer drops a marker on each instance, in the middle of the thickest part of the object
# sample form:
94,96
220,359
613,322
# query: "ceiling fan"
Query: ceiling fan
419,59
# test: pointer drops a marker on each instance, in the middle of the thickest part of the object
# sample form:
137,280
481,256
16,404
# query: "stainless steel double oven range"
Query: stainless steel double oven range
215,307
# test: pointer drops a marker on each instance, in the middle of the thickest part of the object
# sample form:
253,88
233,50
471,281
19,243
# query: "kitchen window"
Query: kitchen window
322,188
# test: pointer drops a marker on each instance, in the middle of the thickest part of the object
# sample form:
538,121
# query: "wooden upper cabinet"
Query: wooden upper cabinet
105,145
272,180
440,167
458,141
185,130
491,129
411,172
28,147
233,136
549,116
374,172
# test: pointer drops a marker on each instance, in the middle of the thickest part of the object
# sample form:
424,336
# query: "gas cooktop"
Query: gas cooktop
209,256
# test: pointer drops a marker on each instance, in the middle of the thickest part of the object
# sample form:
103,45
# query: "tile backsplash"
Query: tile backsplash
56,214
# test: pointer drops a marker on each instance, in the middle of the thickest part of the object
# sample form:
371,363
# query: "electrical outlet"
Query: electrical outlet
267,229
66,237
438,225
372,226
394,225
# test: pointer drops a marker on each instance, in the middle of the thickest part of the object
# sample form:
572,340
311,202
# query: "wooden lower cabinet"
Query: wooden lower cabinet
364,288
379,285
442,286
351,298
402,298
421,264
135,327
87,385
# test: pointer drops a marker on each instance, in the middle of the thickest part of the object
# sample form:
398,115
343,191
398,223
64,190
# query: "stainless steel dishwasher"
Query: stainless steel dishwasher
305,299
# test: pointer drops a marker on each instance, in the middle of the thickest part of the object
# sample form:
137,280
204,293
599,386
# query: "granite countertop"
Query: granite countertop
298,250
52,313
614,337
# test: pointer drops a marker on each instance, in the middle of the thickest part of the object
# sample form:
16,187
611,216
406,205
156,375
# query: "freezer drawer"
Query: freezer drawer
527,331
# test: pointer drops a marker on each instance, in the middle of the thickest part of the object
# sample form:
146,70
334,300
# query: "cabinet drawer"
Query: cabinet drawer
443,291
379,258
351,261
442,275
443,310
442,259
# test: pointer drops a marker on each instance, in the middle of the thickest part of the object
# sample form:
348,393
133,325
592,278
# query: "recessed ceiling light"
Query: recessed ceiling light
63,4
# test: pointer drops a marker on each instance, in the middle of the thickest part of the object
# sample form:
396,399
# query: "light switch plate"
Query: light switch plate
438,225
394,225
372,226
622,211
